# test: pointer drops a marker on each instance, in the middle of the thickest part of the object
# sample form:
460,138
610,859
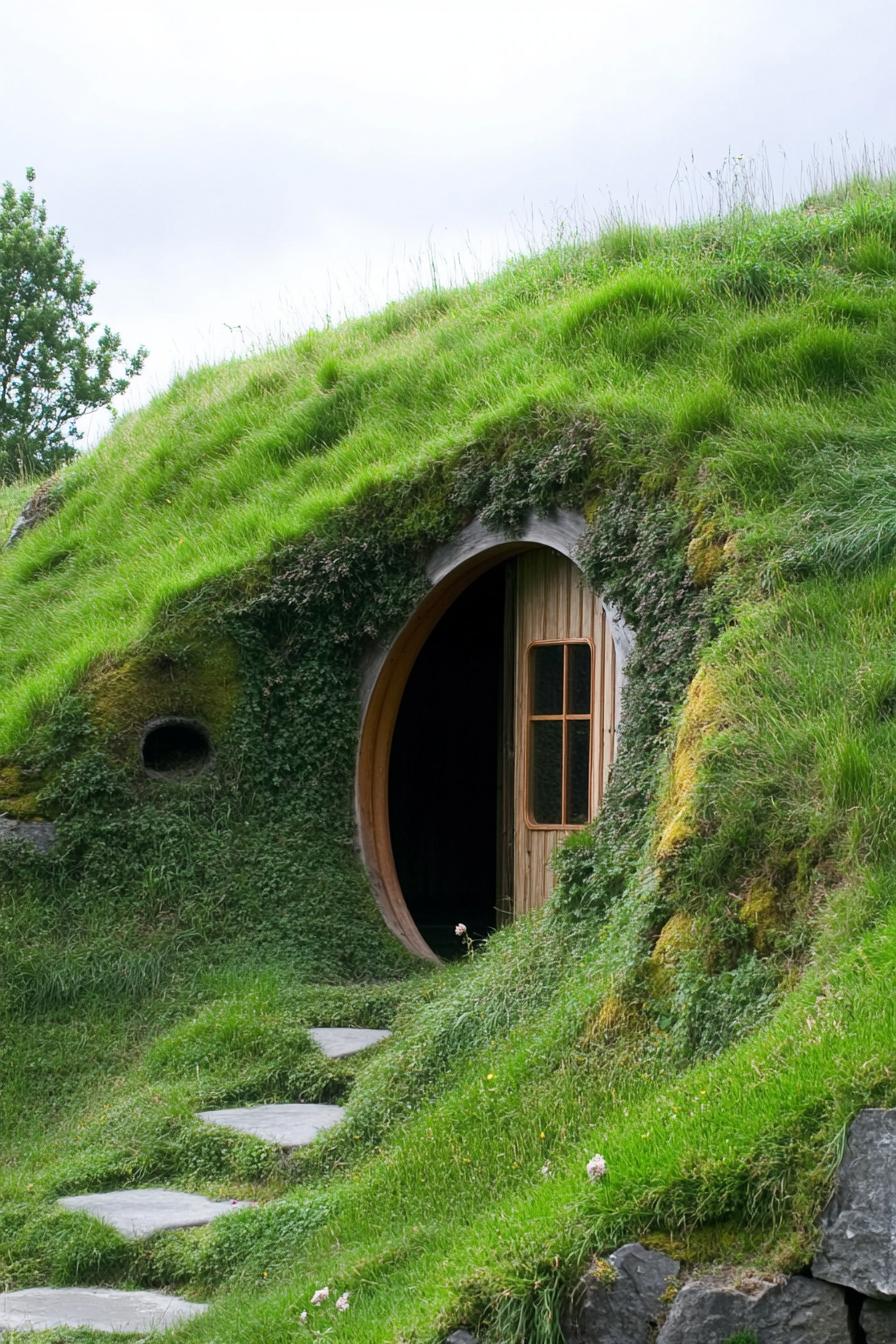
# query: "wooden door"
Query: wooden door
564,714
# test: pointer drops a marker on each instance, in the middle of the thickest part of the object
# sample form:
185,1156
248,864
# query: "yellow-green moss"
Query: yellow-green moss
10,780
676,811
706,555
679,935
759,910
615,1017
674,835
614,1014
18,794
602,1271
731,1246
123,695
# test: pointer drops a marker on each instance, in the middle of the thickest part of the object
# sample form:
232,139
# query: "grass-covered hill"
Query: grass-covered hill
708,998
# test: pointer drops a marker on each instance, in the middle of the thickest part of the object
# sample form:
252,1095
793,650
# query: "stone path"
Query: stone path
104,1309
294,1126
140,1213
336,1042
286,1126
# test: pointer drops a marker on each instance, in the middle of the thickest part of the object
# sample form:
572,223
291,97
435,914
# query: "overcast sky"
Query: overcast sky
236,171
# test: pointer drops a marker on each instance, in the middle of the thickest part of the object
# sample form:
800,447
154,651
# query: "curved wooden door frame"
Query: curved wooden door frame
452,569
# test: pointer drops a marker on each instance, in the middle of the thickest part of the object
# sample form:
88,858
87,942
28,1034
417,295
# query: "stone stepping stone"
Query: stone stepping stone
287,1126
336,1042
140,1213
104,1309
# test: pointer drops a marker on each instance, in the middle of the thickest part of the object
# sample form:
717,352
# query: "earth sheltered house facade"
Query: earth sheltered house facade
572,590
486,735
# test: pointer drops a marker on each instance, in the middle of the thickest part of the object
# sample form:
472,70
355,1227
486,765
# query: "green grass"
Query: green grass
128,1112
743,374
12,497
447,1217
236,459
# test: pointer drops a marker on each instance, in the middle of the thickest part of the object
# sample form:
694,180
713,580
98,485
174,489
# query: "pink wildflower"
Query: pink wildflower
342,1302
320,1296
460,930
597,1168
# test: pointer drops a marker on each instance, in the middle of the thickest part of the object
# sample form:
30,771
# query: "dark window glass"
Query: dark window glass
578,694
561,694
546,778
547,679
578,760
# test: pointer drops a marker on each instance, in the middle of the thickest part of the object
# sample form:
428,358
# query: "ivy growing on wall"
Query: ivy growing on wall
635,556
258,851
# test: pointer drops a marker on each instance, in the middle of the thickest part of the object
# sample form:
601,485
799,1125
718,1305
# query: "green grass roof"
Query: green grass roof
739,360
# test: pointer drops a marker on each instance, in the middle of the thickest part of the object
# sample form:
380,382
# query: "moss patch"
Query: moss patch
19,793
760,911
706,556
700,716
123,695
680,935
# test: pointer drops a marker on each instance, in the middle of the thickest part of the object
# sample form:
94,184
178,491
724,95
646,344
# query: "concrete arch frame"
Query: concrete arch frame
452,568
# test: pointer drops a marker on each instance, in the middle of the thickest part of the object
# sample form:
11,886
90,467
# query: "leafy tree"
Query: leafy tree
53,367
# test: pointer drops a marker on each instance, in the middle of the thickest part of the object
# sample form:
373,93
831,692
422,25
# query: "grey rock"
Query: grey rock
461,1337
290,1126
858,1230
42,504
25,521
626,1307
19,527
103,1309
140,1213
878,1320
40,834
335,1042
793,1311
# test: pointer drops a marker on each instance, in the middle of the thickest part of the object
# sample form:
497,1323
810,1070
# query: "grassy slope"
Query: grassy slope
12,497
752,365
666,351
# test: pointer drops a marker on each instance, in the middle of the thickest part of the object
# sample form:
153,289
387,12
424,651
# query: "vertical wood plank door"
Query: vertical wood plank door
565,713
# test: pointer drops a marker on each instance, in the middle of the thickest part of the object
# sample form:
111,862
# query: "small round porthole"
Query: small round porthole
175,747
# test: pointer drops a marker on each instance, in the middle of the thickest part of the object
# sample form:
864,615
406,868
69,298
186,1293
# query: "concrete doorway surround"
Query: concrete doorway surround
452,569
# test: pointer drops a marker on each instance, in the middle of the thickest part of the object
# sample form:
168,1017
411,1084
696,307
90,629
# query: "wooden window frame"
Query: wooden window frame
563,718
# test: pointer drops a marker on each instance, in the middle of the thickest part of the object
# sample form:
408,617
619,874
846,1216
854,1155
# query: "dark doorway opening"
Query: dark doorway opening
445,773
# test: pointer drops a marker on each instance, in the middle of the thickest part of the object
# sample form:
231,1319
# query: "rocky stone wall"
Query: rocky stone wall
846,1296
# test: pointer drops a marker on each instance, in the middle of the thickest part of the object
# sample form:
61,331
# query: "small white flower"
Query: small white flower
303,1316
320,1296
342,1302
597,1168
460,930
546,1169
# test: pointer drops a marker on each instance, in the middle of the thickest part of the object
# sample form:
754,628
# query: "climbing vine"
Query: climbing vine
259,850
